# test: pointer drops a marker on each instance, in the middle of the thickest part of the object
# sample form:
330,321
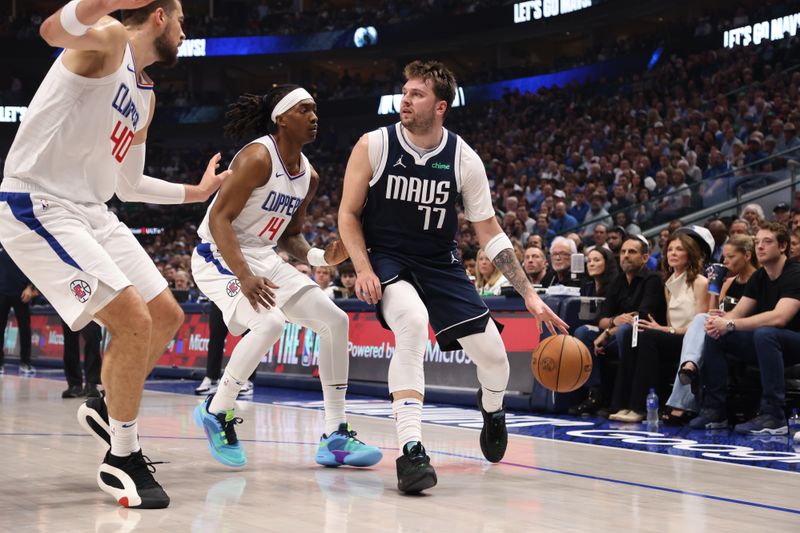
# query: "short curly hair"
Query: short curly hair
444,82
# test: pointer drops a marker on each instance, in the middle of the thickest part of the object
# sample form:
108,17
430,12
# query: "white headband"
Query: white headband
289,101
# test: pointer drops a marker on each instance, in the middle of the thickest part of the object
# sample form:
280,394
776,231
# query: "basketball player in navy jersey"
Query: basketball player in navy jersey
398,220
82,141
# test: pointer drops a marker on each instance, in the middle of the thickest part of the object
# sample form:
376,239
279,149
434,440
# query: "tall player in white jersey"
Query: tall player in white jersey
398,220
263,204
82,141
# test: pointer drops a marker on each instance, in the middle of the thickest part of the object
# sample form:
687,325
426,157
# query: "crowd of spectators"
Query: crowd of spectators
596,160
585,169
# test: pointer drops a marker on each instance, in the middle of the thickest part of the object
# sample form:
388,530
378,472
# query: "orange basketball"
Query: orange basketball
561,363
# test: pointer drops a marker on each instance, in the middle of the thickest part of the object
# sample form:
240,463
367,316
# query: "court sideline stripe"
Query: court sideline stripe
472,458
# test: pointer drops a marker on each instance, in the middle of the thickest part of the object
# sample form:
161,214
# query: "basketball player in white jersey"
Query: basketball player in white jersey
263,204
398,218
82,141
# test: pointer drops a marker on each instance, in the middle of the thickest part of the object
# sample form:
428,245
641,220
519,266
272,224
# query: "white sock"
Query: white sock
124,437
408,421
492,400
333,399
225,397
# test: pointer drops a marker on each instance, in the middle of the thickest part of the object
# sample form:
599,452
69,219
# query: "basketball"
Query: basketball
561,363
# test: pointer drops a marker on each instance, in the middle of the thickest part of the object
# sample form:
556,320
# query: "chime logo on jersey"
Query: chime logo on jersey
232,287
81,290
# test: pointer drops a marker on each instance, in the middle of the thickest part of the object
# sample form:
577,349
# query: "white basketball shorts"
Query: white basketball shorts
79,256
215,279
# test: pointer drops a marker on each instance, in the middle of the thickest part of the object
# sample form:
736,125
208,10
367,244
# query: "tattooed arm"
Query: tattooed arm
489,233
506,262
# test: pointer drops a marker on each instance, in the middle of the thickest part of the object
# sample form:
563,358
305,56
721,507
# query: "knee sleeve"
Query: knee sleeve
314,310
266,327
489,354
405,313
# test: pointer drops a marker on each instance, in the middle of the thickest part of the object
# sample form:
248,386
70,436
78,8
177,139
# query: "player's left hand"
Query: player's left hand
335,252
211,181
544,314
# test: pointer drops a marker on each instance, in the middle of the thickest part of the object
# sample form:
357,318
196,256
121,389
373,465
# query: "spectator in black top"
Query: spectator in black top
560,255
16,292
636,291
764,327
535,266
602,270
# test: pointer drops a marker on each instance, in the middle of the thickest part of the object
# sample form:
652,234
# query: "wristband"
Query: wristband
497,244
69,20
316,257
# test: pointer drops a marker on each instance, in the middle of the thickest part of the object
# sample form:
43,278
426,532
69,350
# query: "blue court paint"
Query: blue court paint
776,453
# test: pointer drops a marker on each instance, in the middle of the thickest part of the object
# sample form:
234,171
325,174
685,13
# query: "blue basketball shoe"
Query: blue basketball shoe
343,448
221,435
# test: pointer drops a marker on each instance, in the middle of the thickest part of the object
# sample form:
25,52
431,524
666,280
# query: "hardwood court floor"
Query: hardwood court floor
47,479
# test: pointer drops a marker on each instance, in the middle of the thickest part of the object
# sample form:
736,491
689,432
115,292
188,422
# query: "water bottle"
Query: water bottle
794,424
652,407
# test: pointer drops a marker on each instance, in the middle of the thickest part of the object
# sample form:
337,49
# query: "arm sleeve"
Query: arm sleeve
134,186
474,186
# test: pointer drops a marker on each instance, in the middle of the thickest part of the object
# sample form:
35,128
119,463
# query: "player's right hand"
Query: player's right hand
258,290
368,287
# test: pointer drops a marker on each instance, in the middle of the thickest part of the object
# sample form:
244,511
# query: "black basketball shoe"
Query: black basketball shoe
93,417
414,470
130,481
494,435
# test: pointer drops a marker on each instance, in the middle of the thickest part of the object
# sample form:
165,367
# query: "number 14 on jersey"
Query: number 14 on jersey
273,226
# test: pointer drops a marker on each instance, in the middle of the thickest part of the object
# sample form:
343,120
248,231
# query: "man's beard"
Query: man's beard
417,124
167,53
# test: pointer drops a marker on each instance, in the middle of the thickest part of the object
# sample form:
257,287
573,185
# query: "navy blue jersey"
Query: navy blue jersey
411,203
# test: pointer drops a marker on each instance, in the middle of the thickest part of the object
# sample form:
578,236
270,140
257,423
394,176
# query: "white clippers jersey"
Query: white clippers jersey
270,207
78,130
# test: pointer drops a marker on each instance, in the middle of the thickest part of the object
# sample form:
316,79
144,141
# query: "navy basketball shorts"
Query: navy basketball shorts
454,307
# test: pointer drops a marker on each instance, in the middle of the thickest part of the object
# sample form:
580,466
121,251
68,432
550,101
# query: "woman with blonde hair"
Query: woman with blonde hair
738,255
488,279
686,291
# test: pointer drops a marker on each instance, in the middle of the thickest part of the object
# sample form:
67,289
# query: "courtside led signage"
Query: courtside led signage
769,30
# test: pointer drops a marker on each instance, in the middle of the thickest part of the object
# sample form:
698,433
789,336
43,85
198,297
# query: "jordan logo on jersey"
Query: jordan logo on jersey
400,162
